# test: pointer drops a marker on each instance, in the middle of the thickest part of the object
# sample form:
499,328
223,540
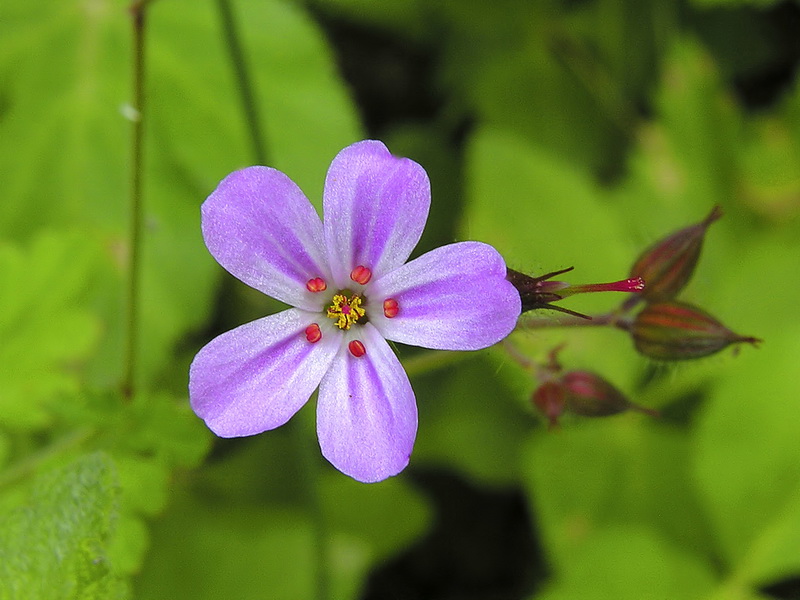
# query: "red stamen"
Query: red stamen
316,285
361,274
390,308
313,333
356,348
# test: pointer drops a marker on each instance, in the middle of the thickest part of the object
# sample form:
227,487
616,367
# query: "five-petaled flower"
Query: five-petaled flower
351,289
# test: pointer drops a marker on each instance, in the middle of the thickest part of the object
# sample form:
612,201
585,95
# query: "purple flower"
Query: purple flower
351,289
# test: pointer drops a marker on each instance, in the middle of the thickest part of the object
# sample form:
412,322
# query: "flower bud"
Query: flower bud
590,395
668,265
549,399
679,331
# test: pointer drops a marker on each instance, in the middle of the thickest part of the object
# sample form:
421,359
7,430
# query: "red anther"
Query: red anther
361,274
313,334
390,308
356,348
316,285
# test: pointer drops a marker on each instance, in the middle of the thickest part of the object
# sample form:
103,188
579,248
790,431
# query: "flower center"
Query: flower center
346,311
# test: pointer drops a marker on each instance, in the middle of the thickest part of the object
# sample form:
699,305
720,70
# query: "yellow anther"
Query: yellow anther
345,311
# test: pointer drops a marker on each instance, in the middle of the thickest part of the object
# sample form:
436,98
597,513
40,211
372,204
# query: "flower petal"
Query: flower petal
375,207
260,226
255,377
367,414
453,298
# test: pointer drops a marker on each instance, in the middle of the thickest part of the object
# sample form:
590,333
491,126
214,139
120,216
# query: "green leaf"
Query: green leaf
748,463
63,109
166,428
361,535
55,546
701,121
47,331
151,438
630,563
305,110
538,211
472,421
770,163
623,470
208,550
245,549
62,103
522,68
685,161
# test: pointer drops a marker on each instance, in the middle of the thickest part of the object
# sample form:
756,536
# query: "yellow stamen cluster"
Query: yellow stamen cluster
345,311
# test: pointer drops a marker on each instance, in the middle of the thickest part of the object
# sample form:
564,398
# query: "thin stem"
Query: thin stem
304,432
243,81
597,81
518,356
612,319
138,12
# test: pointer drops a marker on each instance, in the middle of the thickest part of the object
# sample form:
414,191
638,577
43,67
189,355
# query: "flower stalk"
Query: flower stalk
138,12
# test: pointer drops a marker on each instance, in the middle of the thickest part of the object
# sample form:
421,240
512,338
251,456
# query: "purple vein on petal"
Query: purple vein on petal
255,377
366,415
375,209
260,226
453,298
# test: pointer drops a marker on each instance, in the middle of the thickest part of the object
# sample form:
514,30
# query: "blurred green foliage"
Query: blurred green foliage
562,132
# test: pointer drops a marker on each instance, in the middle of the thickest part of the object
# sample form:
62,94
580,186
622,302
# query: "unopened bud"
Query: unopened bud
679,331
668,265
590,395
549,399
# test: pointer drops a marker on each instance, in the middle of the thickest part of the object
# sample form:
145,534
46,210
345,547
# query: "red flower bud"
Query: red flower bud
668,265
590,395
549,399
680,331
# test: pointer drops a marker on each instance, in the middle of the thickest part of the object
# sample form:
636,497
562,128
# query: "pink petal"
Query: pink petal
265,232
453,298
375,209
255,377
367,414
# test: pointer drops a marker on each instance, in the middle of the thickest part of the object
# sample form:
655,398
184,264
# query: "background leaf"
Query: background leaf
55,546
48,334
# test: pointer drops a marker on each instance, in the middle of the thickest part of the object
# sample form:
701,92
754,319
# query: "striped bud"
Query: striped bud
679,331
668,265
